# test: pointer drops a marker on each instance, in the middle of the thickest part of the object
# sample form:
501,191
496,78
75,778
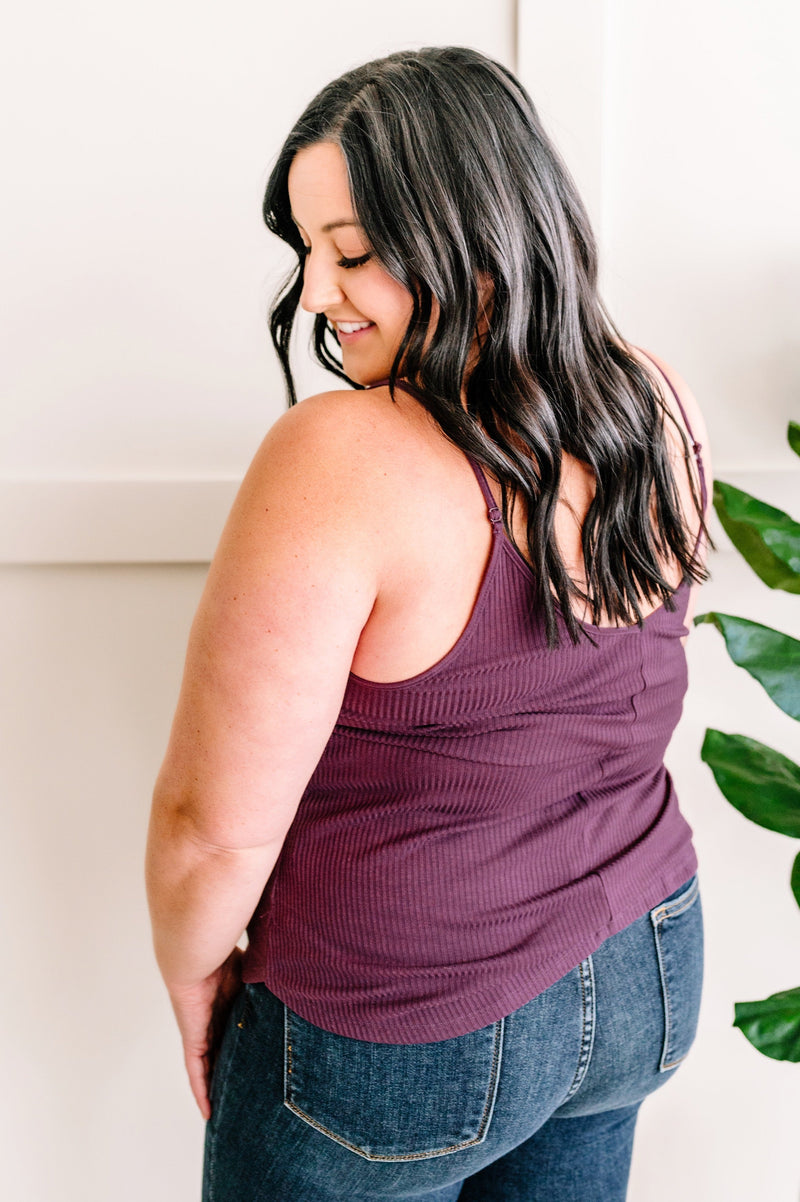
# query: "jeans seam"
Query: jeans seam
586,972
657,918
480,1135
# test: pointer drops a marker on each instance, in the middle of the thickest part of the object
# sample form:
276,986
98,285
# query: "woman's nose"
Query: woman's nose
320,287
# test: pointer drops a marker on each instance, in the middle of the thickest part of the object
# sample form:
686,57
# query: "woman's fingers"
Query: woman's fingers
193,1014
202,1012
196,1068
229,982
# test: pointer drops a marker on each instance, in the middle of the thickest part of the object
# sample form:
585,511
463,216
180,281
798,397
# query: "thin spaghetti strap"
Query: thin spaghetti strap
696,446
493,510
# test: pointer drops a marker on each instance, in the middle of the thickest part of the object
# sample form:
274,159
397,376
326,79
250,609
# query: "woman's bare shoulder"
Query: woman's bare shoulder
330,471
342,431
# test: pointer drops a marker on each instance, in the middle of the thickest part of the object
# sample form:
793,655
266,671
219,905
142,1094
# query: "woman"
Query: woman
418,750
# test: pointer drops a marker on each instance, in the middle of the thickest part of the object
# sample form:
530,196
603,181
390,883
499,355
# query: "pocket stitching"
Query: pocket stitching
479,1137
657,917
678,905
588,1017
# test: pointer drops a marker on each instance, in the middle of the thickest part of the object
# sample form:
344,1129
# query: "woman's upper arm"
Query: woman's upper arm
290,588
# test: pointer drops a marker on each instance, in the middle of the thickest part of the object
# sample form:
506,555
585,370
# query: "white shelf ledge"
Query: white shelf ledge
180,521
112,521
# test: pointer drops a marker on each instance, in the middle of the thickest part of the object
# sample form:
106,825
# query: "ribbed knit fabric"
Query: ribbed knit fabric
471,834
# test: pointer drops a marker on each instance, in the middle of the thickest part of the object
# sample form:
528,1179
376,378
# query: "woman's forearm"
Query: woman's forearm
201,897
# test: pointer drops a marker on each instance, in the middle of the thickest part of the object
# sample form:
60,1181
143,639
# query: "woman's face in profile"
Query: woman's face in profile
342,279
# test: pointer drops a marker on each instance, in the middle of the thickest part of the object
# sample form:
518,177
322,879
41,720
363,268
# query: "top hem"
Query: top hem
464,1013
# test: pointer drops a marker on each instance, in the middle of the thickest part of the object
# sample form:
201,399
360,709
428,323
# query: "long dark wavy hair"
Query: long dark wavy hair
451,175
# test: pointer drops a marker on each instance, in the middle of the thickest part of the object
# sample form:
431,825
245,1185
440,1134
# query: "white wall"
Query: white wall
94,1104
136,346
140,379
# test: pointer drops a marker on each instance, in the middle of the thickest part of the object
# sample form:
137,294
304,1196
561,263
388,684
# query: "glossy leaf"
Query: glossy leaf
772,1026
768,538
795,878
758,781
793,434
770,656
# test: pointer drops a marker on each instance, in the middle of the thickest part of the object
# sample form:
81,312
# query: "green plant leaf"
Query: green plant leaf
768,538
795,878
758,781
770,656
793,434
772,1026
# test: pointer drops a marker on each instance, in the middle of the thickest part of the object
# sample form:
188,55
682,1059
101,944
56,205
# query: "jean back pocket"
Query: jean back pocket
678,929
392,1101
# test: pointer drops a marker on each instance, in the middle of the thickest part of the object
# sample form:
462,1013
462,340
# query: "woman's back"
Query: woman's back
481,820
433,517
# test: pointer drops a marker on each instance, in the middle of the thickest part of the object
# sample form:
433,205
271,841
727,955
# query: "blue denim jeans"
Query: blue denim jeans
539,1106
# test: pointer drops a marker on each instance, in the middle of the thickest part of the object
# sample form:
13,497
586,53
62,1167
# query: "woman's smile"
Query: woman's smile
339,269
351,331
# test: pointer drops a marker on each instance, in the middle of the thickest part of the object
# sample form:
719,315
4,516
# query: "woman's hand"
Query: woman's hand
202,1011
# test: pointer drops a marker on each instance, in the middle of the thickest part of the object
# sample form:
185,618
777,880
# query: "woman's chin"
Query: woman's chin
363,373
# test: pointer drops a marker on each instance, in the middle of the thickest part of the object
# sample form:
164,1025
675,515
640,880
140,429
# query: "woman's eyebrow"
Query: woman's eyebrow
332,225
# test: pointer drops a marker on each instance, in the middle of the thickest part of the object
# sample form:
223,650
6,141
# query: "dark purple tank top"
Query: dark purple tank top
474,832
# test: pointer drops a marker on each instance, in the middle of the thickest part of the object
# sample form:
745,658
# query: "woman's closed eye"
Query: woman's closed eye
344,261
359,262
